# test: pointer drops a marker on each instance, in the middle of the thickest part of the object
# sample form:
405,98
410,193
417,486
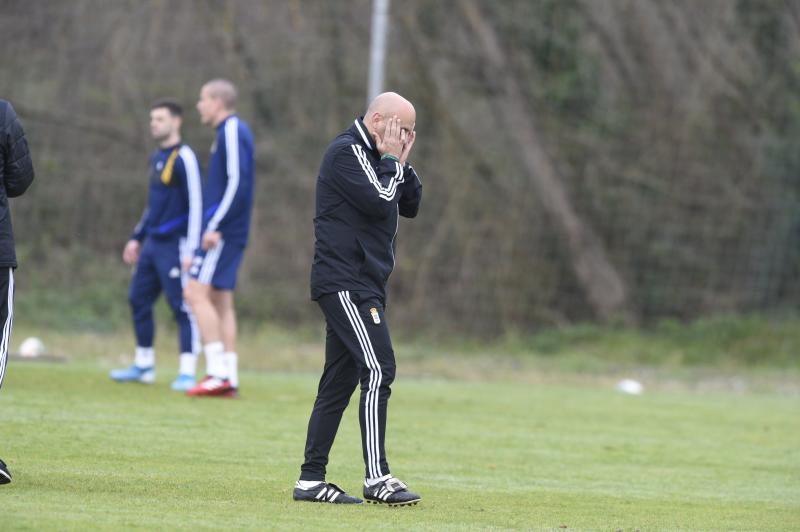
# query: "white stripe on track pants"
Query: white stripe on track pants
358,349
6,316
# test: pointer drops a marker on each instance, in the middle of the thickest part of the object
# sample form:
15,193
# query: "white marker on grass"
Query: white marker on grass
630,387
31,347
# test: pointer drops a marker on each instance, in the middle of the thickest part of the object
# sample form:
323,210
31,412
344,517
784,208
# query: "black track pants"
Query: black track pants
358,349
6,316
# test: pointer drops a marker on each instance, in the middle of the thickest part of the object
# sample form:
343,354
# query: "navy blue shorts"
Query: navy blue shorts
218,266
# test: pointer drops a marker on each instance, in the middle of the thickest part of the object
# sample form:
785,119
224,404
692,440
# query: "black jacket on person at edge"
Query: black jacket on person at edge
16,175
359,200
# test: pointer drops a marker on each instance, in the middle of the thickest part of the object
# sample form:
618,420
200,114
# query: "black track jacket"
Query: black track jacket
16,175
359,200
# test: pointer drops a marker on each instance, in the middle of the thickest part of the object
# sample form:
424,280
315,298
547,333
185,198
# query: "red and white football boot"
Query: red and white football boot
211,387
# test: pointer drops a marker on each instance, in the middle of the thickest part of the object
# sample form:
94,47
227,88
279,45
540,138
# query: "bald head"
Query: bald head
391,103
217,101
385,106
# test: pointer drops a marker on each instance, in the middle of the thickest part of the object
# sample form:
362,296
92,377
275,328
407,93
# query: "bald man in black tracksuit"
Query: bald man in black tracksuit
364,185
16,175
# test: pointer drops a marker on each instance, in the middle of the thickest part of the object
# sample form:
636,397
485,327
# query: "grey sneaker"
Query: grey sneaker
325,492
392,492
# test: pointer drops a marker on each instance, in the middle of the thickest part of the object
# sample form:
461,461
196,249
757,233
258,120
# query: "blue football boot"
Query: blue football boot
135,374
183,383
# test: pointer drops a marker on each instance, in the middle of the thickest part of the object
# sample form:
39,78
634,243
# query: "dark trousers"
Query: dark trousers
159,270
6,316
358,349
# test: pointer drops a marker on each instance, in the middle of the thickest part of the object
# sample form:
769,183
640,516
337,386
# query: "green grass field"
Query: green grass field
506,454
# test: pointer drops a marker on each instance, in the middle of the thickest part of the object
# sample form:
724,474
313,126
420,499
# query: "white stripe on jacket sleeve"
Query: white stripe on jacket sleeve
195,223
232,156
388,191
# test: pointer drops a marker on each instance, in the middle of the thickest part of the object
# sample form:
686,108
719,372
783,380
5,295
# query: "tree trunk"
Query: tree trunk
602,284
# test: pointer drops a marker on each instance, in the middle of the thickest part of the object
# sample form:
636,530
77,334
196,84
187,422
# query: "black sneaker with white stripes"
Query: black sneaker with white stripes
391,491
325,492
5,474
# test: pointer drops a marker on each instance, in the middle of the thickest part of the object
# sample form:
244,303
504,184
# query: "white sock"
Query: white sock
307,484
372,481
188,364
145,357
232,365
215,360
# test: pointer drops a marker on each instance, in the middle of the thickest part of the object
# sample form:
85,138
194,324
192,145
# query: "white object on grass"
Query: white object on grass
630,386
31,347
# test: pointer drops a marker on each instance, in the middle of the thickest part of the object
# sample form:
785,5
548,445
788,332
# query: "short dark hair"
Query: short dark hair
170,105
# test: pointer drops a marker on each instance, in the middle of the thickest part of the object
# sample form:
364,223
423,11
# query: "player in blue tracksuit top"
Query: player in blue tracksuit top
166,234
228,195
364,185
